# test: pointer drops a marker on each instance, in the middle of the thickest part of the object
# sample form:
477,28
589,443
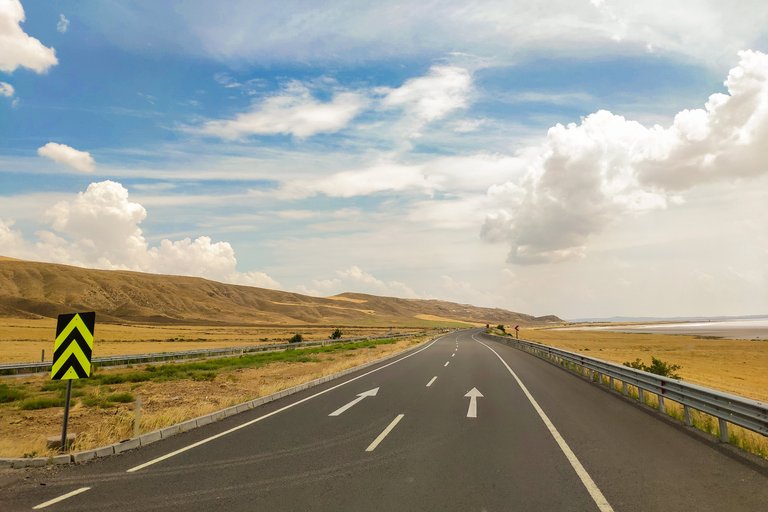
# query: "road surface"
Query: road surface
460,424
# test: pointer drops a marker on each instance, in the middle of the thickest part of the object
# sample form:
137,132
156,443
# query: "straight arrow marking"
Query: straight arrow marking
472,394
360,397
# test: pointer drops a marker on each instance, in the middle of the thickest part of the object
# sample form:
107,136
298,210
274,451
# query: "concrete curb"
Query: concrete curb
184,426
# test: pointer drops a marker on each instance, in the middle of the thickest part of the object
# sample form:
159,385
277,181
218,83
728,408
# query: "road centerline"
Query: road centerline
384,433
429,384
586,480
446,363
60,498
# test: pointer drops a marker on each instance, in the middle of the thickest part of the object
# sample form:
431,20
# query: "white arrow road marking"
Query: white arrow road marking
384,433
432,381
60,498
472,394
360,397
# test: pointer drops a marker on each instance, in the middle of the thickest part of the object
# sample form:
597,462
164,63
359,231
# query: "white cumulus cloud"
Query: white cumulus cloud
61,153
292,112
12,241
17,49
100,228
584,176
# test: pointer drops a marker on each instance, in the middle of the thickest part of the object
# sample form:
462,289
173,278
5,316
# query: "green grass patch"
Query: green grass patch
121,398
43,402
95,401
61,385
119,378
9,394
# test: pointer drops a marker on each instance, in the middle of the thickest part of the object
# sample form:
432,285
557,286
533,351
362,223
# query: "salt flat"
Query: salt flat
749,329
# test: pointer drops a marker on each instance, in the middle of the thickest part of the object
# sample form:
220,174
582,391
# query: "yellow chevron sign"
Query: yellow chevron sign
74,346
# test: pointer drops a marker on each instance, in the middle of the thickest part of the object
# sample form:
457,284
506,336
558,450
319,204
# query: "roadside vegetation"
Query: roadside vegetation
102,405
657,367
51,393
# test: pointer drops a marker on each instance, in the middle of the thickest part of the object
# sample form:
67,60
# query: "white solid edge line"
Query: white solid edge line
591,486
60,498
251,422
432,381
384,433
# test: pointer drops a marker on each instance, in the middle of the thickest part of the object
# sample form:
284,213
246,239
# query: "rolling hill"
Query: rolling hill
32,289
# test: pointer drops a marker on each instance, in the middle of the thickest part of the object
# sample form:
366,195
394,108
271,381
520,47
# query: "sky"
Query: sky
578,158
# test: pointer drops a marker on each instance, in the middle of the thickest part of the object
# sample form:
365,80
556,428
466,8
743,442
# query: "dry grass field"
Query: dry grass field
98,421
23,340
734,366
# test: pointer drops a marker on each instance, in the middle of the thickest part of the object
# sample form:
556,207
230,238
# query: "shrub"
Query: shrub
501,328
336,334
657,367
297,338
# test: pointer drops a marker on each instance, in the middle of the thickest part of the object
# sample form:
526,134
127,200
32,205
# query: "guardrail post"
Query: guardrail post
610,383
687,416
662,408
723,430
624,388
640,395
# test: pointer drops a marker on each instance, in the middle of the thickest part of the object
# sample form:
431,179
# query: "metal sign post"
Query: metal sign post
66,417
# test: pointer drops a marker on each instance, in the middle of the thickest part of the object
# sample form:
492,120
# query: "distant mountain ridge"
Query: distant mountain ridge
32,289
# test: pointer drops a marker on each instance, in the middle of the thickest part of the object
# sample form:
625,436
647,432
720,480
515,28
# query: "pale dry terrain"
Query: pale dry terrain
734,366
32,290
23,432
23,340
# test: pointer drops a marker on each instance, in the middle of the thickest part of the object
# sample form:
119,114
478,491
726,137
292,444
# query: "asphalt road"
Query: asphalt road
419,438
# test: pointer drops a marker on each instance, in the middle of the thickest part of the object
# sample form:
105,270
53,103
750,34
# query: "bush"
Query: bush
501,328
336,334
297,338
657,367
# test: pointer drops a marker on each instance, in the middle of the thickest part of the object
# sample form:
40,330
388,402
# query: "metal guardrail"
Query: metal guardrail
27,368
727,408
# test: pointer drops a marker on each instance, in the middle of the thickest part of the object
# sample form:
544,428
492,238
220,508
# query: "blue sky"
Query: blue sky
561,157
